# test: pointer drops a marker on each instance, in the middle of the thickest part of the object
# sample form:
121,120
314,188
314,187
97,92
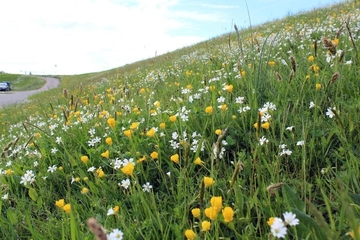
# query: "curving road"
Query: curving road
12,97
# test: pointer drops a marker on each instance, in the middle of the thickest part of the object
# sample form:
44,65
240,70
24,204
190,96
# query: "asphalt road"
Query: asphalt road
12,97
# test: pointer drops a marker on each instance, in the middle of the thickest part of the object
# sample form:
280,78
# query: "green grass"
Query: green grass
22,82
271,116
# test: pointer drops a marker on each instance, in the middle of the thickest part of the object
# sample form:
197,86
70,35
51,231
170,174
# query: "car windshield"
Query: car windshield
3,84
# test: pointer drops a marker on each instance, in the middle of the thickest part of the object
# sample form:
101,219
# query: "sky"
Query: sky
80,36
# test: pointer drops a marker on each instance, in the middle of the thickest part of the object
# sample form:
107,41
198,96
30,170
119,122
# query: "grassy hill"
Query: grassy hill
251,135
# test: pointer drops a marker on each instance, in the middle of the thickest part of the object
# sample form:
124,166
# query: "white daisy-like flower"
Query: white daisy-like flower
300,143
278,228
116,234
290,219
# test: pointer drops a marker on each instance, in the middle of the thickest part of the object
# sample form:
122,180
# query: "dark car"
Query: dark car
5,86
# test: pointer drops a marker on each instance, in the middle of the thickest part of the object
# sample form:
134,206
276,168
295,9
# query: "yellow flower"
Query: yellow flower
85,179
128,133
109,141
198,161
335,41
311,58
84,190
60,203
271,63
208,181
151,132
209,110
223,107
229,88
162,125
111,122
352,234
218,132
190,234
216,203
271,221
315,68
265,125
211,213
172,118
134,125
318,86
196,212
142,90
243,73
228,214
128,169
8,171
143,158
256,125
154,155
67,208
116,209
157,104
212,88
175,158
205,225
100,173
105,154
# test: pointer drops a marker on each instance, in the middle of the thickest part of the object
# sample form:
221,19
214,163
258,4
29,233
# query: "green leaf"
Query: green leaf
308,226
355,198
293,198
11,215
33,194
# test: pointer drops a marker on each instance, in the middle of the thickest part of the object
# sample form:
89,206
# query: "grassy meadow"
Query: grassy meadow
22,82
251,135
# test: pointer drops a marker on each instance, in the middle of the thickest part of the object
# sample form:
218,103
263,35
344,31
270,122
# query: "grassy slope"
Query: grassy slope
22,82
319,181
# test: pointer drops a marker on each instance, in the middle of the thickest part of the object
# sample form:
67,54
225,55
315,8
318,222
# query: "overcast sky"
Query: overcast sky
81,36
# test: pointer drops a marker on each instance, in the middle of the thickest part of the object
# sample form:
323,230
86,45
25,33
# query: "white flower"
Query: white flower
52,168
168,173
290,128
290,219
28,177
5,196
110,212
330,113
8,163
239,100
54,150
125,183
278,228
282,146
147,187
116,234
91,169
312,104
263,140
58,140
36,163
300,143
220,100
